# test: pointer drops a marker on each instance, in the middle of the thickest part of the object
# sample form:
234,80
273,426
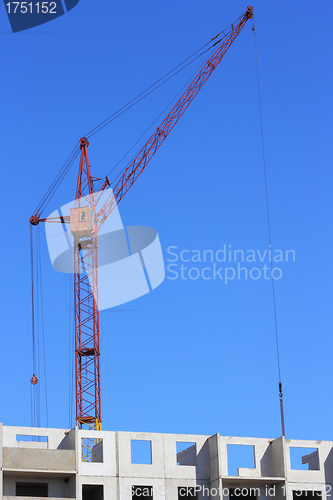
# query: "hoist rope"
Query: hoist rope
42,328
37,343
38,332
269,238
33,392
32,301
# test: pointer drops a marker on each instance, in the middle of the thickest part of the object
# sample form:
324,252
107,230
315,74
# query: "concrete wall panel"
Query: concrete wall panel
126,468
34,459
108,467
198,472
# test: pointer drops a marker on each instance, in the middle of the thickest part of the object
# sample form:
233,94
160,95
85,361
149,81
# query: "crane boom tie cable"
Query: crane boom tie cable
269,238
151,125
162,80
72,157
153,87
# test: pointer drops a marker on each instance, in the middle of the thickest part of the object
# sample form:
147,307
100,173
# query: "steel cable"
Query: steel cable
270,239
72,157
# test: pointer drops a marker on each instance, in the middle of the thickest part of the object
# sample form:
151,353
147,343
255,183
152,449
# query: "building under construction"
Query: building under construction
52,466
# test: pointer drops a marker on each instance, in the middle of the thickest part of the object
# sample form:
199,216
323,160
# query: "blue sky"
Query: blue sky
193,356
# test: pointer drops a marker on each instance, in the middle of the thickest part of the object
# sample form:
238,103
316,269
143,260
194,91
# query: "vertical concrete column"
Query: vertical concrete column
215,481
117,466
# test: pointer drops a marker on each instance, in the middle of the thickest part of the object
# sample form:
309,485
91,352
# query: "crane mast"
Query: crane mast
87,349
85,222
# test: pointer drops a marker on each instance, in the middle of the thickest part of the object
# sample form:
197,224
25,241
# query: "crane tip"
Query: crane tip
249,12
84,142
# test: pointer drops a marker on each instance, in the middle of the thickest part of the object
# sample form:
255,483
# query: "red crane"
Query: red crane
85,224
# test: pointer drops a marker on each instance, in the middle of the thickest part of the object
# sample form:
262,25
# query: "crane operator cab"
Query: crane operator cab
82,221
